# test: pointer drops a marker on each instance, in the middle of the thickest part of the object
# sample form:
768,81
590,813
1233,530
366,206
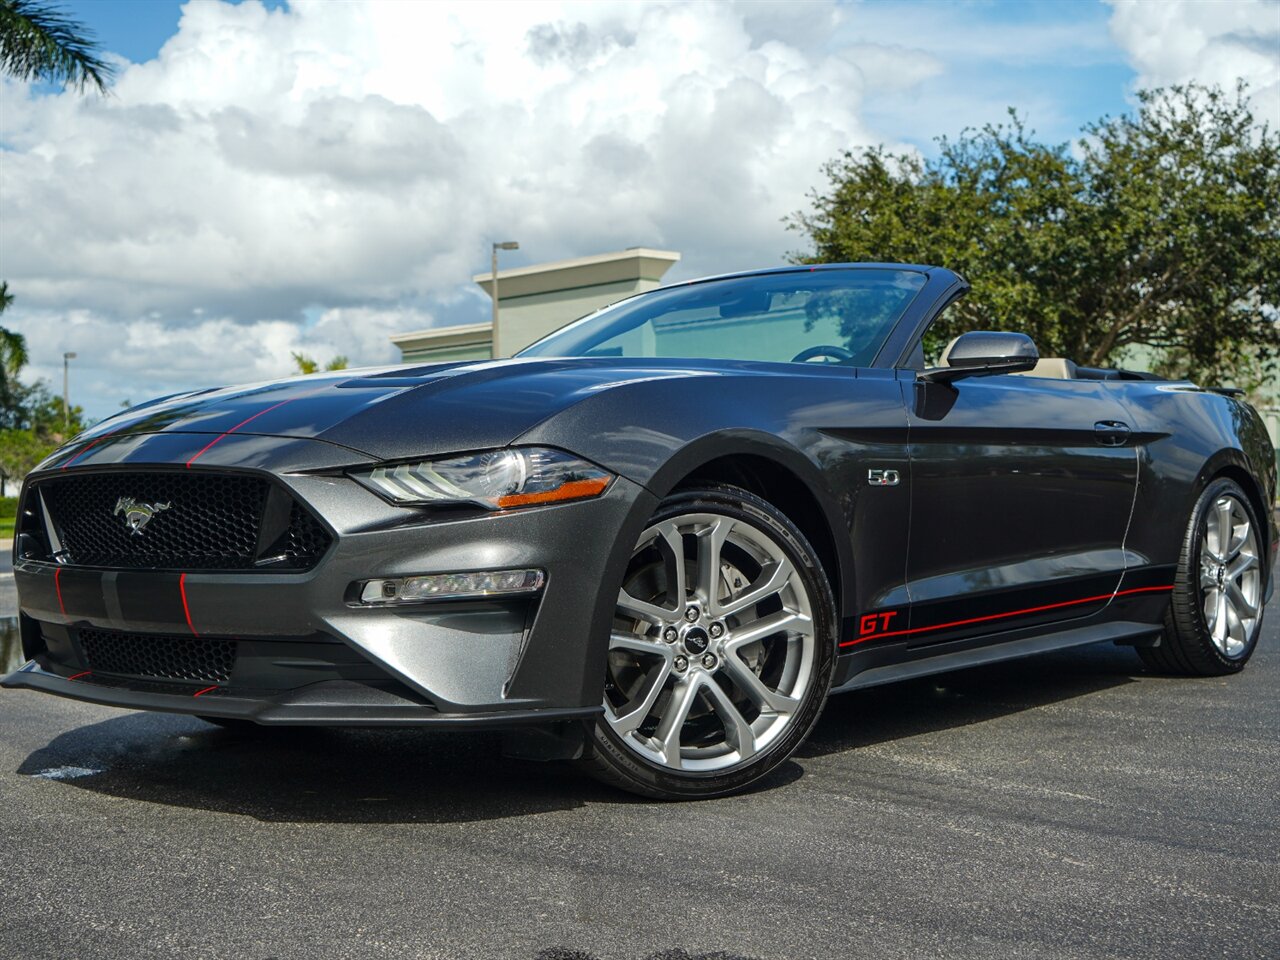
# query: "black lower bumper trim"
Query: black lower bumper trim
328,703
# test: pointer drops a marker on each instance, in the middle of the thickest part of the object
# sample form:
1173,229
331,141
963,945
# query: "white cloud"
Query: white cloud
1177,41
320,176
154,355
352,161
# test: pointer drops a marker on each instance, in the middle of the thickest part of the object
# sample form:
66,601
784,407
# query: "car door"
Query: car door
1021,492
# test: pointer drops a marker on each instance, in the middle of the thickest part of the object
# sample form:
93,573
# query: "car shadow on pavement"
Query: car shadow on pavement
962,697
308,775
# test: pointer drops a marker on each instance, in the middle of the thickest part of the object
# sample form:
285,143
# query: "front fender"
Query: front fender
822,427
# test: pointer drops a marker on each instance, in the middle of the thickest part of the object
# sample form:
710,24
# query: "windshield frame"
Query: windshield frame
940,284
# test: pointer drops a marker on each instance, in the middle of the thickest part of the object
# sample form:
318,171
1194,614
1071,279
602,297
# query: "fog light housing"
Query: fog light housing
452,586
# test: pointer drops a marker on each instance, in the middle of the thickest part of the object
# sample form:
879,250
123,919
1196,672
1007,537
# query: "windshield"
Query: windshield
840,316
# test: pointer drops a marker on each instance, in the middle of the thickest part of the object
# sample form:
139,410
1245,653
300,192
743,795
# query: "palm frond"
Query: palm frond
39,42
13,353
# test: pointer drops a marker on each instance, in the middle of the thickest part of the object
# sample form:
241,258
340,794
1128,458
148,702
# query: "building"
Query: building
535,300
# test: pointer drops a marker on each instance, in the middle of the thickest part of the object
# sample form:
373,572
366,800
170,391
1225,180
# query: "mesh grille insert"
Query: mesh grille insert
211,522
165,658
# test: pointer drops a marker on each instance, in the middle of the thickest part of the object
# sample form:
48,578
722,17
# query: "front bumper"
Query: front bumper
331,703
527,659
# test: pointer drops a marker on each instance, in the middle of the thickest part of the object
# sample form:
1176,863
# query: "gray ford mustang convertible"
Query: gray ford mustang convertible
653,542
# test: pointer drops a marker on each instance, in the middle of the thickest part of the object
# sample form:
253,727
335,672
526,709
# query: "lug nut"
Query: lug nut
681,664
691,614
708,661
670,635
716,631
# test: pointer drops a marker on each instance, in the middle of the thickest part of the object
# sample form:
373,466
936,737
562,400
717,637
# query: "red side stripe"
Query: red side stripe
1002,616
199,693
182,588
57,585
82,673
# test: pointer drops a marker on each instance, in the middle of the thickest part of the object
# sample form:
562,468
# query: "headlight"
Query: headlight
498,479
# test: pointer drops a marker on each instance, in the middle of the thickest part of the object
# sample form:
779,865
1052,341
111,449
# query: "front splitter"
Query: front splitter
329,703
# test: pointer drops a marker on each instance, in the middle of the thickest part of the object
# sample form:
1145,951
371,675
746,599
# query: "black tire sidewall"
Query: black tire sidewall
634,773
1187,610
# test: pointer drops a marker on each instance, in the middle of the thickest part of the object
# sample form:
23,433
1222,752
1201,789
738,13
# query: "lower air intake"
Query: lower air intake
158,657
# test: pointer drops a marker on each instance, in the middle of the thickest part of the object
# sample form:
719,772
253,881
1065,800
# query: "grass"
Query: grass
8,510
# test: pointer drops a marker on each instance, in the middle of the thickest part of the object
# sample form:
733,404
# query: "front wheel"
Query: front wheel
721,652
1215,615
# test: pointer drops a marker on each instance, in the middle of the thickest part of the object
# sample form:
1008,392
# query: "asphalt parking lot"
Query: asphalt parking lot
1066,806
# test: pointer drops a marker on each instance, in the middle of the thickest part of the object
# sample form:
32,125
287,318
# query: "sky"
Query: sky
318,175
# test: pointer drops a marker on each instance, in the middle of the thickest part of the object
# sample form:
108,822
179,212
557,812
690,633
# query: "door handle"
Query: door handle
1111,433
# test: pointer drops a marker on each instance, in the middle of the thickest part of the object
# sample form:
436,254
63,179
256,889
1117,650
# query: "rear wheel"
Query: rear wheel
721,652
1215,616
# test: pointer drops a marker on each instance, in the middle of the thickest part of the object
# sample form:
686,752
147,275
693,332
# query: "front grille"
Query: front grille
212,521
157,657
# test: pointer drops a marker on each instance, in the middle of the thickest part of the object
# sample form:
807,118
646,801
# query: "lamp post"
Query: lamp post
504,245
66,391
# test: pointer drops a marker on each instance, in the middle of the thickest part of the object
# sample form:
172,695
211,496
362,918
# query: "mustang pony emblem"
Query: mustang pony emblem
137,515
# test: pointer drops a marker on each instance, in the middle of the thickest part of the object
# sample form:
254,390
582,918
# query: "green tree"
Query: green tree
39,42
20,451
309,365
31,418
13,352
31,428
1160,230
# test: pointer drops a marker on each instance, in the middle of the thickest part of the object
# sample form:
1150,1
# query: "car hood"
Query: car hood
394,412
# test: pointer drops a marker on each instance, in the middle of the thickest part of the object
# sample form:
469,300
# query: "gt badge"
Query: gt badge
873,623
137,515
883,478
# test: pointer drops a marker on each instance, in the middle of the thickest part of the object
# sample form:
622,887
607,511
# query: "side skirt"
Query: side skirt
1121,632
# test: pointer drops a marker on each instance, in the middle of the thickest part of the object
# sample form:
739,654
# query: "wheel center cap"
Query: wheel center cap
1222,576
696,640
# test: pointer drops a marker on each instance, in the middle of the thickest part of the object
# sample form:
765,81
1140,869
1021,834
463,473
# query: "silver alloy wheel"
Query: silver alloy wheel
1230,576
713,645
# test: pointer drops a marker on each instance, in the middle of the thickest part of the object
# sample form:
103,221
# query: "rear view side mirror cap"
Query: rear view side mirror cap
984,353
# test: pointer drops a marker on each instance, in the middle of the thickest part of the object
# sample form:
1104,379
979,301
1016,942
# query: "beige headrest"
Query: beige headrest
943,361
1051,368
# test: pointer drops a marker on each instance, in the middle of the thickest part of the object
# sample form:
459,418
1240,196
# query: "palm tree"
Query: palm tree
13,348
308,365
39,42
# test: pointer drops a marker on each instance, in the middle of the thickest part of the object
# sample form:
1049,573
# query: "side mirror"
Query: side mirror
985,353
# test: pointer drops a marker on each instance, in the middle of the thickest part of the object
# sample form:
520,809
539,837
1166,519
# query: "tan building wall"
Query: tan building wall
536,300
443,344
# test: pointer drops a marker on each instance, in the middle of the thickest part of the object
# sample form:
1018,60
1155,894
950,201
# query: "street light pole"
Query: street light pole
493,280
66,391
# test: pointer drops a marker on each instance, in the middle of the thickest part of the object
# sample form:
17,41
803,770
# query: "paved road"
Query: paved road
1069,806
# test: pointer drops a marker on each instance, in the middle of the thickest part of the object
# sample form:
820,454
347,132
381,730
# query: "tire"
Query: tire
721,656
1215,615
